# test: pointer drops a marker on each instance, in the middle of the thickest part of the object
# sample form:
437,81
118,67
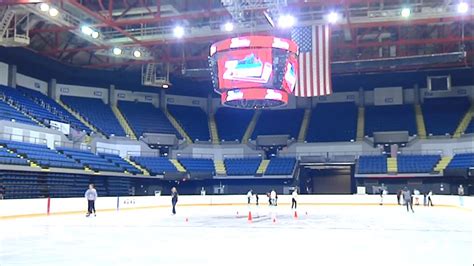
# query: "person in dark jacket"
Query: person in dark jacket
174,199
407,197
399,196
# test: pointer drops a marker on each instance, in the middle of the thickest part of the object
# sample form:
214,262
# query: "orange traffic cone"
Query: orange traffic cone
296,215
250,217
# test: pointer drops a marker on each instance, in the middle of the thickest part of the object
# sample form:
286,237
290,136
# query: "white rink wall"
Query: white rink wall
33,207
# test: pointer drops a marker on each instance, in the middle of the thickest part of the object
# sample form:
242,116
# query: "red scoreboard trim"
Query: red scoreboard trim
254,42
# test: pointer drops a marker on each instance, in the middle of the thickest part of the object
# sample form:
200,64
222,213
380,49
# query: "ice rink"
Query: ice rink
218,235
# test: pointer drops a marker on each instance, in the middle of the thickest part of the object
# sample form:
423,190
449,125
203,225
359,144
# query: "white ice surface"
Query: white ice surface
322,235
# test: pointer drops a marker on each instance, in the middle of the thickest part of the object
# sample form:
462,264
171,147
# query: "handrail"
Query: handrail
22,138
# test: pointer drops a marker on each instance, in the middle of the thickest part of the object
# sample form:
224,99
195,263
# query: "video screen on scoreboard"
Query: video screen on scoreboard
291,70
245,68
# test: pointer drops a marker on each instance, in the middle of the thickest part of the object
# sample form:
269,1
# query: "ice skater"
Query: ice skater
294,196
91,196
399,195
249,196
429,198
256,199
381,191
407,197
174,199
273,198
461,195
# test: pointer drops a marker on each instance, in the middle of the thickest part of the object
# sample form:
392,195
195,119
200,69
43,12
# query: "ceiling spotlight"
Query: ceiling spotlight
229,26
53,12
95,34
117,51
44,7
86,30
462,7
165,86
286,21
406,12
137,53
332,17
178,31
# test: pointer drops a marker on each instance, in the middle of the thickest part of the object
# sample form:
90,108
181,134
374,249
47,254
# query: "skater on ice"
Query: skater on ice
91,196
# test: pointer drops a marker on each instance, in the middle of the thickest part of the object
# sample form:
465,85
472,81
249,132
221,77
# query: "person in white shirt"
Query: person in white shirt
294,196
249,196
461,194
273,197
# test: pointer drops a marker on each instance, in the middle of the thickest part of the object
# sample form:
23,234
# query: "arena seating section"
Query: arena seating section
40,107
193,120
417,163
279,122
91,160
332,122
462,161
390,118
41,155
9,113
232,123
97,113
146,118
7,157
120,162
470,127
373,164
155,165
198,165
442,115
280,166
242,166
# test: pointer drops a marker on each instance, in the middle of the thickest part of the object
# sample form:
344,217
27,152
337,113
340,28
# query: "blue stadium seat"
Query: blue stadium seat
155,165
232,123
332,122
91,160
462,161
279,122
11,114
470,128
146,118
193,120
417,163
96,112
374,164
242,166
442,115
120,162
390,118
197,165
280,166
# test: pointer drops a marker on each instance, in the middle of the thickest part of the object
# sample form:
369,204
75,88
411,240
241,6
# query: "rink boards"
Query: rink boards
16,208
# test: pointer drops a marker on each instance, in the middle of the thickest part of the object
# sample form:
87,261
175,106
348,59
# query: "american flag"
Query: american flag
314,77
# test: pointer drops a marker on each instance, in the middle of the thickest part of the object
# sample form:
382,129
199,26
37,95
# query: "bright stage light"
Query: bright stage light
286,21
137,53
165,86
86,30
229,27
462,7
178,31
117,51
406,12
53,12
44,7
332,17
95,34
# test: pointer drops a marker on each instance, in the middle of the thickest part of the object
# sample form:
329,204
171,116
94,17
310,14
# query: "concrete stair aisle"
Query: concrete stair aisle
176,125
443,163
213,129
392,165
420,122
80,118
123,122
361,123
178,165
139,167
7,17
251,127
219,166
304,125
262,167
464,122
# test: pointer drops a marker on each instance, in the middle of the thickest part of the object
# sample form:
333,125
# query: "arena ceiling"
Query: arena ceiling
369,35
